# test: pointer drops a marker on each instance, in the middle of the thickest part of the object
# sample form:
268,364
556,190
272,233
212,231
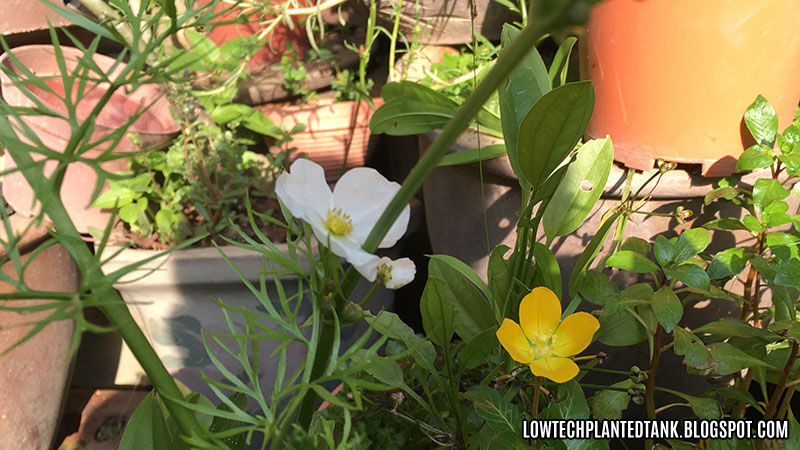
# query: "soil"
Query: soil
266,206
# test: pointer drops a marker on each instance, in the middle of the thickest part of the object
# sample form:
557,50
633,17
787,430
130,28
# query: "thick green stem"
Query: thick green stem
112,305
505,64
321,359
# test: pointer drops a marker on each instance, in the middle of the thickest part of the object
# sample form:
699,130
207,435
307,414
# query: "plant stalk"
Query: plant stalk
111,305
505,64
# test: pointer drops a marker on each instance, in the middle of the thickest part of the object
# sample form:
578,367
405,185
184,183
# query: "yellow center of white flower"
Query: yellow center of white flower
384,274
339,223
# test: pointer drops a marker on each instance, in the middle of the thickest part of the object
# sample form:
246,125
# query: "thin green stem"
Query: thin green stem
601,387
393,39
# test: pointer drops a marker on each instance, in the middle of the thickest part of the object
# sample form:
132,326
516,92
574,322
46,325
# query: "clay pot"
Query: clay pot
446,22
277,41
154,127
337,134
673,78
34,376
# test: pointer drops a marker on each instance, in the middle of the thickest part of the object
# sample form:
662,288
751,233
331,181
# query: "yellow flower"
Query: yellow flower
544,343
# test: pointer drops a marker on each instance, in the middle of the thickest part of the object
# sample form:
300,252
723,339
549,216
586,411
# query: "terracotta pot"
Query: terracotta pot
673,77
277,40
34,376
154,127
446,22
337,135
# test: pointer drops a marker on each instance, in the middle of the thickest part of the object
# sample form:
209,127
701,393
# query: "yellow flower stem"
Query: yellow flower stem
586,358
535,407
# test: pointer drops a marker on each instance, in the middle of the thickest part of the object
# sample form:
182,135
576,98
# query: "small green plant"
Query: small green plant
197,185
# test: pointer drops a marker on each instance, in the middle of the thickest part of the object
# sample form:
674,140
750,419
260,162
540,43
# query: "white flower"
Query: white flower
396,274
342,219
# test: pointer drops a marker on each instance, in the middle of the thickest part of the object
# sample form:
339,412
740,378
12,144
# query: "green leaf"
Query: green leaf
223,424
788,328
632,296
551,128
620,329
776,239
473,314
740,395
573,405
147,428
473,155
547,266
580,189
411,108
732,327
766,191
794,431
129,213
729,359
477,349
438,315
728,263
560,65
499,413
667,308
691,275
632,262
705,408
169,8
752,224
589,254
203,46
664,251
788,274
755,157
525,86
387,372
389,324
499,277
636,244
726,192
680,445
725,223
608,405
694,353
465,271
762,121
596,288
690,243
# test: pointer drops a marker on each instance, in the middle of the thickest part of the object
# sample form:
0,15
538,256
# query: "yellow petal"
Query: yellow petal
574,334
514,341
539,314
557,369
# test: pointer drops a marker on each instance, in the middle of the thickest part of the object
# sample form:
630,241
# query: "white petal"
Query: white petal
398,229
403,271
363,194
365,263
305,192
